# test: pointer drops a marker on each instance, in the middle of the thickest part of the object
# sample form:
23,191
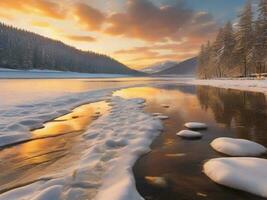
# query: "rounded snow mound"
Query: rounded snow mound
196,125
237,147
189,134
247,174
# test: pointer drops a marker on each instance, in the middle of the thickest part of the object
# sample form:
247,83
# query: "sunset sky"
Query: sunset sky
135,32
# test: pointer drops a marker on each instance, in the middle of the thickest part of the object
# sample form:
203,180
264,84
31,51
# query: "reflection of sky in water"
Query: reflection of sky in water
20,91
181,105
243,112
50,149
75,121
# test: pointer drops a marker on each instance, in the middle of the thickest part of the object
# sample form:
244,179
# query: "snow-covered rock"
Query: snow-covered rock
196,125
237,147
189,134
162,117
247,174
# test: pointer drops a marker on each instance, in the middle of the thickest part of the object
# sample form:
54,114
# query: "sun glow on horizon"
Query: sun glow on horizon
137,33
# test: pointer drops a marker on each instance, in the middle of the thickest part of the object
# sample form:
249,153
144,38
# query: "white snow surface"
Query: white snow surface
242,173
239,84
114,142
37,73
189,134
237,147
196,125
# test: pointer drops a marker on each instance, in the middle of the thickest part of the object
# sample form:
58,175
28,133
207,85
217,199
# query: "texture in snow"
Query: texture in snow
189,134
247,174
16,122
237,147
114,142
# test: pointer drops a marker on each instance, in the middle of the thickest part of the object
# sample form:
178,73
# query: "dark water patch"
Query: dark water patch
228,113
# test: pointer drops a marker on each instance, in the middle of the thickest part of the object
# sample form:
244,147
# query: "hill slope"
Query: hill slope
157,67
20,49
187,67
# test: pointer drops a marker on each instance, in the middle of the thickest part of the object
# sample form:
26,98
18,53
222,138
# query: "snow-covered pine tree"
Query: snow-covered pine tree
226,54
216,60
244,38
261,37
201,62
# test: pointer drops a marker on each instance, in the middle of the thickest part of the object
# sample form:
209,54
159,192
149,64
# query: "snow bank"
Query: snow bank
247,174
114,142
37,73
237,147
189,134
239,84
196,125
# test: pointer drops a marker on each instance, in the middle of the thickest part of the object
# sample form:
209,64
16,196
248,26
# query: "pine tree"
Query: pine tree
226,56
260,47
215,58
244,38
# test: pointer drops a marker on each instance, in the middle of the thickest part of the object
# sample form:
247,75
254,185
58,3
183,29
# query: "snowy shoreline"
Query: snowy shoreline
238,84
105,168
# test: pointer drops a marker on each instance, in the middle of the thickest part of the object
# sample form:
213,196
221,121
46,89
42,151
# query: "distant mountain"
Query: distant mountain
186,67
21,49
157,67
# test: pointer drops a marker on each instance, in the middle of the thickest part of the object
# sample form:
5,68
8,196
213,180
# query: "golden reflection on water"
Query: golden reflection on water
75,121
157,97
25,159
20,91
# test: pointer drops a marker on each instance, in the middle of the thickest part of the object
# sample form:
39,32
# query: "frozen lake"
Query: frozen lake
82,106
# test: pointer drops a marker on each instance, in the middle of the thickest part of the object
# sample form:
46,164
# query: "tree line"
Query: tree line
21,49
239,50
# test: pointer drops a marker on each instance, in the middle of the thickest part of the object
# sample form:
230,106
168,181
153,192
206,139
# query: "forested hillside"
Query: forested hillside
20,49
239,50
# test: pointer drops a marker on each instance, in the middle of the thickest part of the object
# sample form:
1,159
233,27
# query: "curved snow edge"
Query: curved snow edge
114,142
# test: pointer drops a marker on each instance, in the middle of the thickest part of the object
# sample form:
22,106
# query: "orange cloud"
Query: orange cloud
89,17
45,8
146,21
81,38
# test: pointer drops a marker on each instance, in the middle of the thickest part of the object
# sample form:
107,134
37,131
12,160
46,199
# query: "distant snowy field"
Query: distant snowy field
251,85
11,73
239,84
